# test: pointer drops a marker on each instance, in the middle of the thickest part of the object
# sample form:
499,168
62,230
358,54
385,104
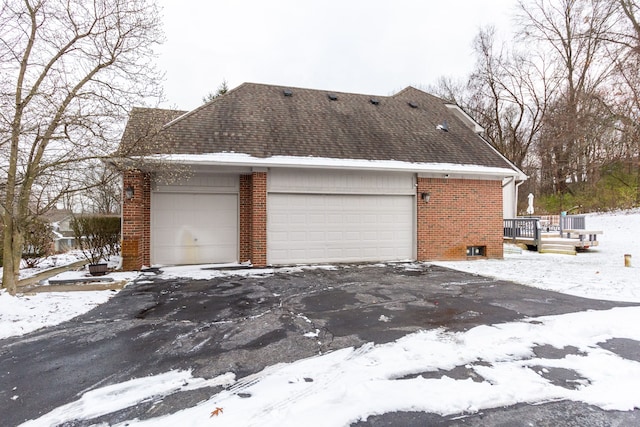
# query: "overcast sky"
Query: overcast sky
374,47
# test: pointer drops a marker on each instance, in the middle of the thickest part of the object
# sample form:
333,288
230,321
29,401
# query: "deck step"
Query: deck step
511,249
557,248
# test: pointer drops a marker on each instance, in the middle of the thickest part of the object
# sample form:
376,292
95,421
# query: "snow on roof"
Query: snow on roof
245,160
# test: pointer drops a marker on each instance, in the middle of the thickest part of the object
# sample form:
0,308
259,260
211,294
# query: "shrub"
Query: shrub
38,241
97,236
616,188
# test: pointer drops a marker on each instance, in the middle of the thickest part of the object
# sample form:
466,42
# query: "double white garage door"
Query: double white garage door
311,218
304,228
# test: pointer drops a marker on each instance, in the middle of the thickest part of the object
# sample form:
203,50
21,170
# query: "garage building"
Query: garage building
275,176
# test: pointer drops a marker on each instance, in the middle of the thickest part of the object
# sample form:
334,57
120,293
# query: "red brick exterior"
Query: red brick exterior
460,213
136,221
259,219
246,209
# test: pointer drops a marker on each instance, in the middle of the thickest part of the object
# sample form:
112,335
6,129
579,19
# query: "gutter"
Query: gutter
242,160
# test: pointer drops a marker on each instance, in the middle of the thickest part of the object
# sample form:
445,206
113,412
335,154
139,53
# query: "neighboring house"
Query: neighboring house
63,236
284,175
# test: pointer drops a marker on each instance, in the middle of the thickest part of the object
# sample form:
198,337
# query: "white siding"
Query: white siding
199,183
340,182
509,199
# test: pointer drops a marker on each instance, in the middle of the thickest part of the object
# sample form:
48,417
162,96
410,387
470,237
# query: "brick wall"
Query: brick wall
246,217
259,219
136,221
460,213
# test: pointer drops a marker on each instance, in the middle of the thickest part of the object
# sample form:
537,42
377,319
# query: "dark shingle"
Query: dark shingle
258,120
141,134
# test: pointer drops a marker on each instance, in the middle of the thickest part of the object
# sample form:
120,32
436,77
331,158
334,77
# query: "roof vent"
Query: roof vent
374,101
287,92
333,96
444,126
413,104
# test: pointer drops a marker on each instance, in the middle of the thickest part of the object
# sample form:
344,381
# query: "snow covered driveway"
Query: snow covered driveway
269,345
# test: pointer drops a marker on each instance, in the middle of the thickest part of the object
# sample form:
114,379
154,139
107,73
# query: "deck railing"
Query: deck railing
572,222
528,231
521,229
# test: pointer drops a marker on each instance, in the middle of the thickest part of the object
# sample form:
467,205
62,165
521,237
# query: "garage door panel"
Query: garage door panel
372,236
218,238
304,228
337,253
165,217
314,219
194,228
165,235
296,219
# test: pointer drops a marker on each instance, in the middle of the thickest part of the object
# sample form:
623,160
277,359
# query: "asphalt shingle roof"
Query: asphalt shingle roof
141,135
260,120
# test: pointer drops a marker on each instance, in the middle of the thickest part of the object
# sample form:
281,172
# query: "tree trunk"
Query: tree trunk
638,183
11,256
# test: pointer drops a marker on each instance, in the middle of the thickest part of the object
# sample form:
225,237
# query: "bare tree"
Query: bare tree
452,90
104,194
629,14
506,93
70,70
509,95
627,88
562,99
575,32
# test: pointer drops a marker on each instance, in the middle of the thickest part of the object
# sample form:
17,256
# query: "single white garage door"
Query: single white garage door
194,228
308,228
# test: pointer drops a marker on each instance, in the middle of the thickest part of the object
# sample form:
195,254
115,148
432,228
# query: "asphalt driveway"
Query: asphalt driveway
243,324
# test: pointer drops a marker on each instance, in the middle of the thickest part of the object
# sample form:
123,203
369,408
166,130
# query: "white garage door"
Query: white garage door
308,228
194,228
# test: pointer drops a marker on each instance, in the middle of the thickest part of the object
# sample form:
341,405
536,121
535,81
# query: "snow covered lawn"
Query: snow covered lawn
598,273
26,313
23,314
350,384
59,260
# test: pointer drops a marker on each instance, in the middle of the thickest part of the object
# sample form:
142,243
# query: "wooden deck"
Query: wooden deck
587,238
532,232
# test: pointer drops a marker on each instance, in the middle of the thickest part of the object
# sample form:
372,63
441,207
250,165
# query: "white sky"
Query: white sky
363,46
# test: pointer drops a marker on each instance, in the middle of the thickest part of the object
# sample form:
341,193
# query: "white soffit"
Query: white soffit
466,119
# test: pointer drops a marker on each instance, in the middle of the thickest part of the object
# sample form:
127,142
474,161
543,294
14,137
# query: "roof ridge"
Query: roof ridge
402,91
420,91
323,91
172,110
244,85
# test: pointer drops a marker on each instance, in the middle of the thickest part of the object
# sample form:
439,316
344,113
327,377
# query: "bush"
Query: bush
38,241
615,188
556,203
97,236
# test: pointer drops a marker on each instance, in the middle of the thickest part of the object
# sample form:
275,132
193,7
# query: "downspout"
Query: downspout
515,200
